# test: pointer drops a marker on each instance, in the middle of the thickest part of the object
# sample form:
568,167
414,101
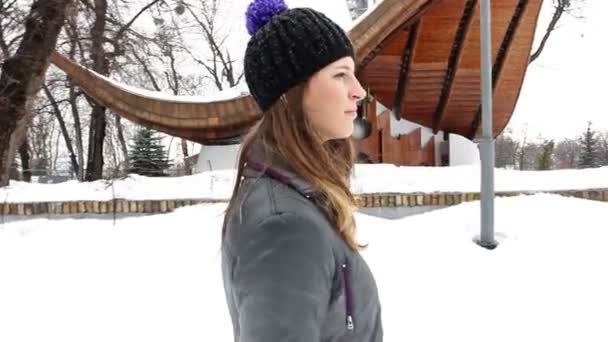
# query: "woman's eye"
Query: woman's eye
340,75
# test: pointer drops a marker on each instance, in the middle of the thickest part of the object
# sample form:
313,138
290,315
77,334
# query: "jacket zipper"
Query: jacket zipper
350,325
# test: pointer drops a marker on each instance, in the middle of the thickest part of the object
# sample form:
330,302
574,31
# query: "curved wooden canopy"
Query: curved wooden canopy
429,71
418,57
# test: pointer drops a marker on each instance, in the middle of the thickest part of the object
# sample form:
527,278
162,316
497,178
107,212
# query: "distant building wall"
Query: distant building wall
463,151
220,157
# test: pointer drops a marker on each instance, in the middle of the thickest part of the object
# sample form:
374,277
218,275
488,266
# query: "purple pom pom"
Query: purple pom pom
260,12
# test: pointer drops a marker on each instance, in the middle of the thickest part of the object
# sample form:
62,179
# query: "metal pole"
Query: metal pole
487,142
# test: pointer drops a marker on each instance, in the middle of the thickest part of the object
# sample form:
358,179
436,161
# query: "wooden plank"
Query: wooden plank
517,17
406,63
514,68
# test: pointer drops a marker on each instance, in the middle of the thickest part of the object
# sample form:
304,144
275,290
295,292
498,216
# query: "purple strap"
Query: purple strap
273,173
265,169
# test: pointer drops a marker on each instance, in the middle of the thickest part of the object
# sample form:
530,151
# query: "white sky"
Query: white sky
565,87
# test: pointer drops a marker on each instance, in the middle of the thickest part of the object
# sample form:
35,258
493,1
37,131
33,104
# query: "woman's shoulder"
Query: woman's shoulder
265,201
265,196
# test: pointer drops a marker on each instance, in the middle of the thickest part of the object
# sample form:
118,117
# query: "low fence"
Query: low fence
378,200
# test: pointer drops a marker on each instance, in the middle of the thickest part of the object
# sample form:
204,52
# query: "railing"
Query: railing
375,200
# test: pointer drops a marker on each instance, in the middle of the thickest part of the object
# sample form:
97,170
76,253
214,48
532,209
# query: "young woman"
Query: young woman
290,260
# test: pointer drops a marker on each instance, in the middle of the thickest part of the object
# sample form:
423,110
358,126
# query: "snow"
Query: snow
157,278
368,178
151,278
541,284
372,178
212,185
239,90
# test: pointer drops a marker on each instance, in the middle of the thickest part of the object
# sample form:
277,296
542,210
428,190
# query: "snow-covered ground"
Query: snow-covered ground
157,278
377,178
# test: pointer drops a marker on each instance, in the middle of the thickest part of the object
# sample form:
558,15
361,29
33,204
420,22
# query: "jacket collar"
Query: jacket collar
259,164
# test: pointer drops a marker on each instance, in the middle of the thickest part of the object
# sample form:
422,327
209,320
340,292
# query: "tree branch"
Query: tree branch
147,70
125,27
560,7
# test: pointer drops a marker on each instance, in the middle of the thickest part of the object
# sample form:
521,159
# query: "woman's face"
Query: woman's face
330,99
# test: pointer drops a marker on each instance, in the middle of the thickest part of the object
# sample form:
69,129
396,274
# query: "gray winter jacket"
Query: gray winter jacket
288,276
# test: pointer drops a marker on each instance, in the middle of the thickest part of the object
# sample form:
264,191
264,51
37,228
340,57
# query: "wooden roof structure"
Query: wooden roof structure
420,58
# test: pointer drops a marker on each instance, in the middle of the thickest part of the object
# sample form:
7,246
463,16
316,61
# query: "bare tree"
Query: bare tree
521,148
64,130
173,79
75,46
506,150
11,30
23,73
528,151
42,140
11,24
98,36
566,154
219,65
24,155
101,60
97,129
531,153
560,7
115,167
160,58
169,42
41,135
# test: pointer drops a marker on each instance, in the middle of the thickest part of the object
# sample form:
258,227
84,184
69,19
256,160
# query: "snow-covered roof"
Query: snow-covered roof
239,90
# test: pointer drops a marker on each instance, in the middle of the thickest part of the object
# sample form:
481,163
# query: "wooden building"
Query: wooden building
419,60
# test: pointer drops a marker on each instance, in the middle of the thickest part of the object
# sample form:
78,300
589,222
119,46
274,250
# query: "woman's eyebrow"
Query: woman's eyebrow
345,67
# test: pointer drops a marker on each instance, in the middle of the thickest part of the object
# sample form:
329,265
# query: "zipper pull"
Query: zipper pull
349,322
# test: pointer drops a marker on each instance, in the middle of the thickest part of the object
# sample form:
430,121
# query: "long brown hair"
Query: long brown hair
286,134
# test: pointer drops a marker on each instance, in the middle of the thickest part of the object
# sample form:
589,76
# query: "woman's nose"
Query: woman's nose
358,92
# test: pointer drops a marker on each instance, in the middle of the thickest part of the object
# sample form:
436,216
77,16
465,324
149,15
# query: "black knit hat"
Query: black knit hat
287,46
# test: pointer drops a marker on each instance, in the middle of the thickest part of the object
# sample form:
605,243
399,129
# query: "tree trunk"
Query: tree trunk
14,171
97,128
115,170
24,155
123,142
187,161
23,74
64,131
97,132
73,34
54,156
77,132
